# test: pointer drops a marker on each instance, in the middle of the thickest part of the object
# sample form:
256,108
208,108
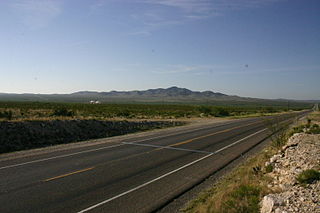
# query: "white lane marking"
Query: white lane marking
167,174
145,184
60,156
168,147
185,131
226,147
93,150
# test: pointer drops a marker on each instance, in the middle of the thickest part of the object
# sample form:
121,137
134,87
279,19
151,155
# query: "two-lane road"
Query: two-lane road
130,175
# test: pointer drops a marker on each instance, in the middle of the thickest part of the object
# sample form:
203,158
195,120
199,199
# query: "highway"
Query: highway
136,174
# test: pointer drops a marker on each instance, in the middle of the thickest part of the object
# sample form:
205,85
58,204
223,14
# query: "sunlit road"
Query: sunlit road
132,175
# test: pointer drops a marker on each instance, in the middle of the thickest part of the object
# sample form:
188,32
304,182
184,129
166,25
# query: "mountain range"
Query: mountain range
160,92
160,95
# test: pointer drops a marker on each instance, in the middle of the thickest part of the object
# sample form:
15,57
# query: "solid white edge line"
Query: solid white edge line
145,184
226,147
60,156
167,174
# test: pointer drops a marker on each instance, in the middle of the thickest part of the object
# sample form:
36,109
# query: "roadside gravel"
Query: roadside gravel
302,152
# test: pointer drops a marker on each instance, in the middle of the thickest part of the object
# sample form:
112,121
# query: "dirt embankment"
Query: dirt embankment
16,136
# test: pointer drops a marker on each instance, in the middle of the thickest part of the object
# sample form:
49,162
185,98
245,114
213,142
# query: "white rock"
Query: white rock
267,204
277,210
302,152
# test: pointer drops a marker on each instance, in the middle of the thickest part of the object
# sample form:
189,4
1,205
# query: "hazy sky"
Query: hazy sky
256,48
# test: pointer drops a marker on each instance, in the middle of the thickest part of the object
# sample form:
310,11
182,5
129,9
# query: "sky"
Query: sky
251,48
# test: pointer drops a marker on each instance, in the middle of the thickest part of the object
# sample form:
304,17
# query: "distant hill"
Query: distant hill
175,92
169,95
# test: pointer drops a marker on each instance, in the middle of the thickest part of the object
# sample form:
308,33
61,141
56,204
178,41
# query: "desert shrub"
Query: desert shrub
269,168
308,176
296,129
220,112
123,113
244,199
314,129
6,115
279,139
205,110
308,123
63,112
269,110
214,111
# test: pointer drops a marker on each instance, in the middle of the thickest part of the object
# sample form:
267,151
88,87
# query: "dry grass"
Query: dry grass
239,191
260,114
315,117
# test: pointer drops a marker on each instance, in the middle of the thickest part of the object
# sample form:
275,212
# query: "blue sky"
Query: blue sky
255,48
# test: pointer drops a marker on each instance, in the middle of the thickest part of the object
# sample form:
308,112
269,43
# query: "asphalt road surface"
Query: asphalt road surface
132,175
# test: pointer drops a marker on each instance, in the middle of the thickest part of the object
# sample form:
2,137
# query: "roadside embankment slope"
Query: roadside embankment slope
274,172
295,174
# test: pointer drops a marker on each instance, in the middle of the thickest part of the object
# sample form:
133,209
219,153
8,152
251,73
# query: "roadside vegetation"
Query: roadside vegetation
50,111
308,176
312,126
241,190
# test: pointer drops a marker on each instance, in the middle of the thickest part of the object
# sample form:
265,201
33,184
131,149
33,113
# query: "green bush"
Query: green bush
269,168
220,112
6,114
308,123
311,129
124,113
245,199
279,139
314,129
63,112
205,110
297,129
269,110
214,111
308,176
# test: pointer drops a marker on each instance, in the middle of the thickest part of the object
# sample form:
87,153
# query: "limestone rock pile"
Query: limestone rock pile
302,152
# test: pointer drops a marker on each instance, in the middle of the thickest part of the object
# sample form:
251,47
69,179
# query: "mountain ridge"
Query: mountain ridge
172,94
171,91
